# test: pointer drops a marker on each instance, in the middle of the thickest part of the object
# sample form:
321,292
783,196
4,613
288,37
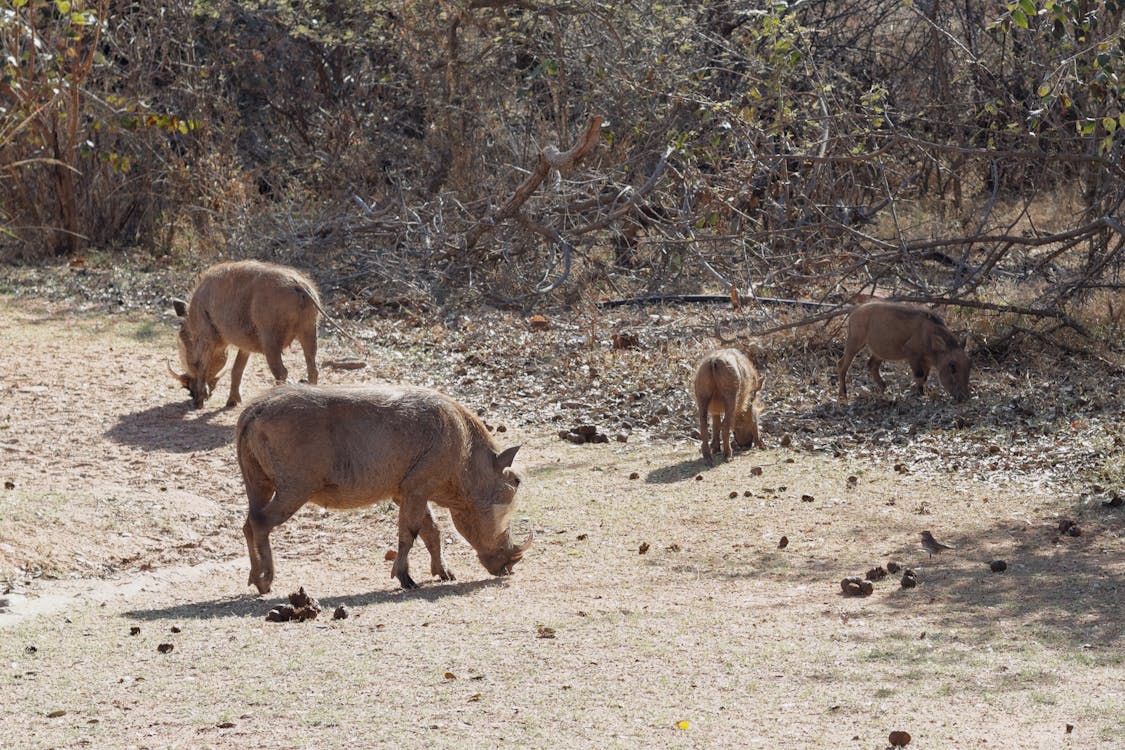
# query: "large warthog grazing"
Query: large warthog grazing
726,389
258,307
894,331
350,447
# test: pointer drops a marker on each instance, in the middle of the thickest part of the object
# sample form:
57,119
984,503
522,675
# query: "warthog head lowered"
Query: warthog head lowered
203,363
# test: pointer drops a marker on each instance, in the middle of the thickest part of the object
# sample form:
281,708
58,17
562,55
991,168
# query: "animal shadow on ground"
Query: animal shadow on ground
248,605
173,428
678,472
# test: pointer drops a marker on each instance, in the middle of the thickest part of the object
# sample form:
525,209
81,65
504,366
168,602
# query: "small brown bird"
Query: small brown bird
931,545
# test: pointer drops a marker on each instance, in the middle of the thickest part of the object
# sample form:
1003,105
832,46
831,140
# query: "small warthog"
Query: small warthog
894,331
258,307
727,388
353,446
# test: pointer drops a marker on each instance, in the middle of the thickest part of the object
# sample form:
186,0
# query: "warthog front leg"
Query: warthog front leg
431,536
873,370
921,372
412,517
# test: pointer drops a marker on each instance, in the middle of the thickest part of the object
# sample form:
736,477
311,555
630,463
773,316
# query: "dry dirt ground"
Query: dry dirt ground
125,621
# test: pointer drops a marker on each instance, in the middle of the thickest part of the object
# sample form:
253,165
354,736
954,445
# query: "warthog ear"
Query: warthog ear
504,460
179,306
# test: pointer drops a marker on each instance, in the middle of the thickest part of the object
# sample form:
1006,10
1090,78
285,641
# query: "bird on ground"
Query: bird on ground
931,545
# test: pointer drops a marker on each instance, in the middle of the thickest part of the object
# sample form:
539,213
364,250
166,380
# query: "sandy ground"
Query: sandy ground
120,534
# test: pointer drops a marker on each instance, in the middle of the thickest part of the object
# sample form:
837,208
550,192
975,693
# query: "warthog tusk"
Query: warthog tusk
526,543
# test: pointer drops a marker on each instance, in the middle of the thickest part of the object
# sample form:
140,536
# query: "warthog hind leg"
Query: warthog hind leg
705,447
236,377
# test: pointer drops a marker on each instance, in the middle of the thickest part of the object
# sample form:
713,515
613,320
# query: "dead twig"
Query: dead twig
550,158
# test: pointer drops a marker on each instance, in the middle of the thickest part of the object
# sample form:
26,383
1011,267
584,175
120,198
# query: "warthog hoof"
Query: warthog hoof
406,581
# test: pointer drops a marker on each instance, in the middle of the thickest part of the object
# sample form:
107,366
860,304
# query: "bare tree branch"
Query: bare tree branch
549,158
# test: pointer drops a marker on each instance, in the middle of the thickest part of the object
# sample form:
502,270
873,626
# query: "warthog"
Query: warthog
894,331
258,307
353,446
726,388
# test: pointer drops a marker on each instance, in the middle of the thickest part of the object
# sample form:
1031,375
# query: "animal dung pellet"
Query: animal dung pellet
280,613
909,579
998,566
165,648
893,567
899,739
584,433
304,606
856,586
783,542
1069,527
877,573
340,613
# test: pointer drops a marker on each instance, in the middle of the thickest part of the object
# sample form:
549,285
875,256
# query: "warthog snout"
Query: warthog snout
200,388
954,374
500,563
